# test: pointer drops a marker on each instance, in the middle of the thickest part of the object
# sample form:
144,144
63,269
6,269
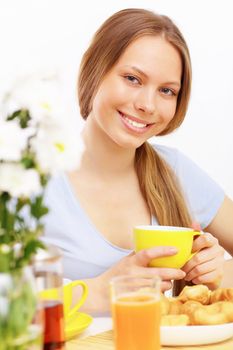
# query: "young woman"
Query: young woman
134,83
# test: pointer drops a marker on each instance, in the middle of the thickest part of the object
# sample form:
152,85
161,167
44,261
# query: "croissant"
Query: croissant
165,305
175,306
197,305
189,307
227,308
202,317
174,320
170,306
199,293
221,294
217,313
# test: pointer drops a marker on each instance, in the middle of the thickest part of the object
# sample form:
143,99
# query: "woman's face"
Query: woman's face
137,98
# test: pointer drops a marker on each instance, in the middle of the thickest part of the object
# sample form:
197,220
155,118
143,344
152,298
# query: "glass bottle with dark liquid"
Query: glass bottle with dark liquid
54,335
49,276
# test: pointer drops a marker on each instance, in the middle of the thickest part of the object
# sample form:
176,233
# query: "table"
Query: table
99,336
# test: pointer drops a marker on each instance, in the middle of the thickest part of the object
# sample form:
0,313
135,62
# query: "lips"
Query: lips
133,123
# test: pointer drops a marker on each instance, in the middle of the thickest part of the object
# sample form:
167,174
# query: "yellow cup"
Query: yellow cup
53,294
153,236
69,310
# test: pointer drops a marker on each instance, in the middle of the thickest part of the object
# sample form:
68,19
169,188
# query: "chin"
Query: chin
132,145
127,141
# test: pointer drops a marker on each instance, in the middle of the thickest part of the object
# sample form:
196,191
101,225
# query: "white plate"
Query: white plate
195,335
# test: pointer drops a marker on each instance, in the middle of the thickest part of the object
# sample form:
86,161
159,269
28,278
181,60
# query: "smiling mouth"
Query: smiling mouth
133,123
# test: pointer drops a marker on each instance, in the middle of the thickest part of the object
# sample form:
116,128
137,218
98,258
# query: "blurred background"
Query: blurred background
51,35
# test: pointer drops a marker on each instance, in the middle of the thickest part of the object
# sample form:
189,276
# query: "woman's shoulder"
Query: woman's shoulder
170,154
203,195
178,160
182,164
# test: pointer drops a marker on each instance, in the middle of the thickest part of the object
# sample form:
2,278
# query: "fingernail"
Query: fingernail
152,252
183,273
172,250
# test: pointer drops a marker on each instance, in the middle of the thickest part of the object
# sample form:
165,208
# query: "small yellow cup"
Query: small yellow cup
54,294
69,310
153,236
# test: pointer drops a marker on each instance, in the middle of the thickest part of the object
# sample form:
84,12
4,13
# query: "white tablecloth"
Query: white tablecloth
99,325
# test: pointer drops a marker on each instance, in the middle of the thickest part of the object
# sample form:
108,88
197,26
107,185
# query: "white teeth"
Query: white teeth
136,124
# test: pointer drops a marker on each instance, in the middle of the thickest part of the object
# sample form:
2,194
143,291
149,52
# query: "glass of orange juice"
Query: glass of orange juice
136,312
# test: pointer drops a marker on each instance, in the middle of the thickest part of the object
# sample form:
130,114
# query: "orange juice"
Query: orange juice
136,322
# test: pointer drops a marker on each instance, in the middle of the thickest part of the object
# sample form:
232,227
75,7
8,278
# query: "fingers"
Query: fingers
166,274
206,266
169,274
165,285
209,278
137,264
143,257
205,240
215,283
203,256
200,271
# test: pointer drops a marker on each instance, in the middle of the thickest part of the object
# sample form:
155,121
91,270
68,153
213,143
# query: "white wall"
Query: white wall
54,33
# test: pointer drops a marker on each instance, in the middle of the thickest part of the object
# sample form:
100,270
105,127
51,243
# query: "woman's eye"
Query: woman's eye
132,79
168,92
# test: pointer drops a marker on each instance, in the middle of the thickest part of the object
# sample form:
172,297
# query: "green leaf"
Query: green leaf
38,209
44,179
6,258
10,220
7,219
31,248
23,117
14,115
28,161
21,202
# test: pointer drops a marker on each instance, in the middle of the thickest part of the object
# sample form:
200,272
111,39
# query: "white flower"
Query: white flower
56,146
41,95
18,181
13,140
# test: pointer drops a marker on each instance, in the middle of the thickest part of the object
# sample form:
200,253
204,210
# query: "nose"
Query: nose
145,101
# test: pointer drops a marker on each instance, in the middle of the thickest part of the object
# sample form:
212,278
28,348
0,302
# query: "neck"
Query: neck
102,155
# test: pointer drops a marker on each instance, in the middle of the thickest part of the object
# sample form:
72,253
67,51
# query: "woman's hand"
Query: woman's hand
137,264
98,300
206,266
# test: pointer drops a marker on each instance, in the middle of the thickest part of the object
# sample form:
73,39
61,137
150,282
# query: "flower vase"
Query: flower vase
21,318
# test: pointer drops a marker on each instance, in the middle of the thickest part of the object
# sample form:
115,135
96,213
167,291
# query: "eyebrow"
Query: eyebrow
146,76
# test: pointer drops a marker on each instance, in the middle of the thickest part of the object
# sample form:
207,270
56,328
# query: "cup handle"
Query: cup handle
68,291
195,233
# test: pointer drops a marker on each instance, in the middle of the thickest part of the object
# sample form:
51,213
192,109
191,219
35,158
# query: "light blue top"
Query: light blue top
86,252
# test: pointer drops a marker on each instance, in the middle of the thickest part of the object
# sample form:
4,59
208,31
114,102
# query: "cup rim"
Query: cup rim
122,278
162,228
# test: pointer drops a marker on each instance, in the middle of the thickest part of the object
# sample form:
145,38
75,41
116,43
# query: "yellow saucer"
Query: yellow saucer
76,324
